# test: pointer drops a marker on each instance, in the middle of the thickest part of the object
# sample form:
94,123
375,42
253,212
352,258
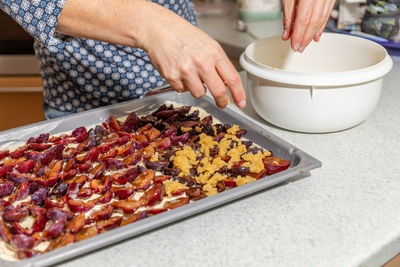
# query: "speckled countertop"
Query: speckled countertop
346,213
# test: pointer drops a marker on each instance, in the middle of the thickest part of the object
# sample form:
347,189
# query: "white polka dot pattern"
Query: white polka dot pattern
80,74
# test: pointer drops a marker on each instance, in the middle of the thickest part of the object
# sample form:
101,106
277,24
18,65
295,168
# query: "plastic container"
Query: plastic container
333,85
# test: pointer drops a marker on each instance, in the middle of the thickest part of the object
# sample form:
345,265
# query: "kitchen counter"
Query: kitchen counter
347,213
232,40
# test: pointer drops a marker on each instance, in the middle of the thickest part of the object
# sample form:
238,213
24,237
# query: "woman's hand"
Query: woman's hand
305,20
183,54
188,58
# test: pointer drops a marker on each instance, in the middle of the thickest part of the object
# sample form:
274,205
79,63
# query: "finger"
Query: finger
232,80
289,15
216,86
177,85
327,12
195,86
315,24
303,17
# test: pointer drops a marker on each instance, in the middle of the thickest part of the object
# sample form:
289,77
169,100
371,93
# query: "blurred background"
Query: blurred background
234,23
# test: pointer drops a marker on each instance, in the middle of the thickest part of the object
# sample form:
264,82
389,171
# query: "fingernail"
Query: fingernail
296,46
301,49
318,36
242,104
284,33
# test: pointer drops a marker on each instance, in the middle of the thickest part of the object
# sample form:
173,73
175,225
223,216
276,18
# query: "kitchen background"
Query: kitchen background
20,84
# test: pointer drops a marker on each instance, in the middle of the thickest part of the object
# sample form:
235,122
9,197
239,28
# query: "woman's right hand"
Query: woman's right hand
188,58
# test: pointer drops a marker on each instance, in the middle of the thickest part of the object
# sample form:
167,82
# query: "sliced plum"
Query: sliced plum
69,174
21,192
60,189
6,188
260,174
171,171
90,157
104,198
19,152
161,178
48,203
19,178
85,192
131,218
195,193
84,168
127,205
109,224
122,192
126,176
4,170
61,241
26,253
39,196
274,165
157,165
125,150
100,130
144,179
103,214
76,224
11,214
78,131
175,203
80,205
153,196
5,233
4,153
101,185
230,182
56,213
110,154
133,159
115,124
56,228
39,147
172,130
104,148
114,164
98,171
240,170
21,241
131,123
86,232
151,212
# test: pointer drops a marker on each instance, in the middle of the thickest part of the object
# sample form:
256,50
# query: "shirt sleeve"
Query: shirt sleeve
39,18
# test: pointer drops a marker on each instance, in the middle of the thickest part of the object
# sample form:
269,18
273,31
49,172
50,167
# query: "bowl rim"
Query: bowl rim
361,75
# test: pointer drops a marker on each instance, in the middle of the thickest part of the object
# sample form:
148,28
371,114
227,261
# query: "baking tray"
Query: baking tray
301,163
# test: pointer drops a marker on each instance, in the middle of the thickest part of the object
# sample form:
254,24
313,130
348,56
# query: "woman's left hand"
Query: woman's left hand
305,20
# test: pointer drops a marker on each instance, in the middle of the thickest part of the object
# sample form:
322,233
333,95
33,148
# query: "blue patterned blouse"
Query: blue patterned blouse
80,74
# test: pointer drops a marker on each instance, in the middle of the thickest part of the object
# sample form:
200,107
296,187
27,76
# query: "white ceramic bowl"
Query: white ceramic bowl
333,85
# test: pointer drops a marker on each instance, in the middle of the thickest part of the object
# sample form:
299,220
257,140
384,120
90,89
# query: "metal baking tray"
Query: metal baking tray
301,163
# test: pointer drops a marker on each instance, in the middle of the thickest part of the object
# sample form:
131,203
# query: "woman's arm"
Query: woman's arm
184,55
